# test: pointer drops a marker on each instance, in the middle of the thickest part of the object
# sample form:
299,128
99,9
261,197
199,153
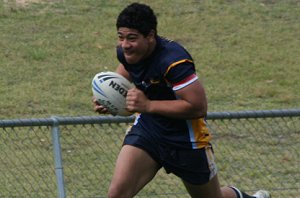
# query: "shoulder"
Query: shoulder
173,50
176,64
171,53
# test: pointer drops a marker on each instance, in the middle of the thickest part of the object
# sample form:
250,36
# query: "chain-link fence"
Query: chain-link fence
74,156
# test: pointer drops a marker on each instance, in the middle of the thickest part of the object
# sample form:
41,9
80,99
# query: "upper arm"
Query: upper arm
194,94
188,87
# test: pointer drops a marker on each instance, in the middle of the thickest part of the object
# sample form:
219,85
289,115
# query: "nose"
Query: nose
125,44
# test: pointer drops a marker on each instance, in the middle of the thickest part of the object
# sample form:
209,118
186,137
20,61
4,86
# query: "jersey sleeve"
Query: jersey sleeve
181,74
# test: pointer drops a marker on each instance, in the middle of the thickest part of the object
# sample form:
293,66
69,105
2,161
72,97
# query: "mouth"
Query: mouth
128,53
130,57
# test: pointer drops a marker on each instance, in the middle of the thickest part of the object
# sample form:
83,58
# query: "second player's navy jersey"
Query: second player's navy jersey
168,69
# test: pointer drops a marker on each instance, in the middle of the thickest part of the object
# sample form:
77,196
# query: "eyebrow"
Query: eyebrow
129,34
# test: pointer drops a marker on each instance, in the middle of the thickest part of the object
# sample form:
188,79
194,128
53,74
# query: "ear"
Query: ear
151,35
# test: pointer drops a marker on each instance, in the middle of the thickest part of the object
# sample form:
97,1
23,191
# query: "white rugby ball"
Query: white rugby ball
110,90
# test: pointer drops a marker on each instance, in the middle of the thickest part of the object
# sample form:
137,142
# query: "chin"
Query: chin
131,60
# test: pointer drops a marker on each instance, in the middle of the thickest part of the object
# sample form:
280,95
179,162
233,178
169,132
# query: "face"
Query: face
136,46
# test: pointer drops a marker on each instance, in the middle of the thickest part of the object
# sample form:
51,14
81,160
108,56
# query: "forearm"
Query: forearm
176,109
190,103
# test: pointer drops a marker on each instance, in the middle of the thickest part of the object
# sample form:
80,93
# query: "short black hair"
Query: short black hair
138,16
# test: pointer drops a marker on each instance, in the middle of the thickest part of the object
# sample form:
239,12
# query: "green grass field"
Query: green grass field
247,52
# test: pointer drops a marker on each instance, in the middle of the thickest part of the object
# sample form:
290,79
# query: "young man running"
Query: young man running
170,129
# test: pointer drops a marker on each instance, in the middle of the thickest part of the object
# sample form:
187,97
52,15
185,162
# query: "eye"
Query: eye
132,39
121,38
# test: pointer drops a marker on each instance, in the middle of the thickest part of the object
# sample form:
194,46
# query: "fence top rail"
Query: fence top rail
54,120
254,114
65,121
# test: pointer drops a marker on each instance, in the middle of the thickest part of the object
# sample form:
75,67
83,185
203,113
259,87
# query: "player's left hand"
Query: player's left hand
136,101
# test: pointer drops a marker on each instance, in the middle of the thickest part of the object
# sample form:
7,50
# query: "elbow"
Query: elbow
200,112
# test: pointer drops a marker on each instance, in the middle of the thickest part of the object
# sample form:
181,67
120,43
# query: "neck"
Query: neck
151,47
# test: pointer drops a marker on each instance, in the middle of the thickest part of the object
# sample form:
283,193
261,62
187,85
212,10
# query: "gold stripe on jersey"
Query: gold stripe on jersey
177,63
201,134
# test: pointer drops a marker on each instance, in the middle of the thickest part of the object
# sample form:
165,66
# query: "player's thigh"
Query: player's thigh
134,169
208,190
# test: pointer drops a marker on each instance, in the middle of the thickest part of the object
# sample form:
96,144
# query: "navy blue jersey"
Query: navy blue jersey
169,68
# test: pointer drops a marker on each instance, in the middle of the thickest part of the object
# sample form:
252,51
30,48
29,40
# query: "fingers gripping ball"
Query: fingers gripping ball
110,90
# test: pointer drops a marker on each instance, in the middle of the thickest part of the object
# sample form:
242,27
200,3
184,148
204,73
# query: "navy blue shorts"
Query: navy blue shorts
195,166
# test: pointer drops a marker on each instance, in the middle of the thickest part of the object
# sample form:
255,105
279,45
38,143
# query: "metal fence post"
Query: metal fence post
58,159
